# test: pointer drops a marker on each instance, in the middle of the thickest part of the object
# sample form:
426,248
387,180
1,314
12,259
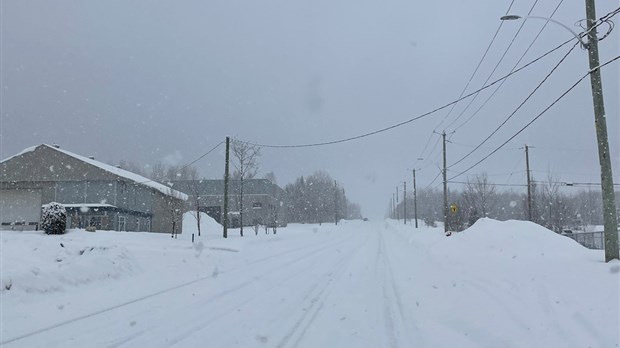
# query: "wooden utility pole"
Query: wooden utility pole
607,185
445,186
393,207
397,214
226,175
405,201
529,183
415,203
336,202
345,213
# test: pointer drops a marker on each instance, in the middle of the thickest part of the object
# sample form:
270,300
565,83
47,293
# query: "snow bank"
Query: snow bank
208,226
37,263
515,238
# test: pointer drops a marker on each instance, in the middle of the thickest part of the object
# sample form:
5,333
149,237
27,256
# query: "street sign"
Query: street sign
454,208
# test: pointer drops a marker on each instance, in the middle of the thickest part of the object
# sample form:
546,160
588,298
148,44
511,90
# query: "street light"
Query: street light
584,45
607,185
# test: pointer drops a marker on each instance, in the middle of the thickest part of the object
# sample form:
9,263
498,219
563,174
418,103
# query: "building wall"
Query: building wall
168,213
64,179
251,213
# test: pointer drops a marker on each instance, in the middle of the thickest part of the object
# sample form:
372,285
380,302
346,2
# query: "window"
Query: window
121,223
95,221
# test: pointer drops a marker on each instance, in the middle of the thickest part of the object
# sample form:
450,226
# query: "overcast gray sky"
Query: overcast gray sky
151,81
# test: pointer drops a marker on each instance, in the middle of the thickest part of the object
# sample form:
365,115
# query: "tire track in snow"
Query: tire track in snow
205,322
317,302
201,322
393,298
388,312
236,287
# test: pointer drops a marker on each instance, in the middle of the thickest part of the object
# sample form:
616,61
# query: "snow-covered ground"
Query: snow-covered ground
358,284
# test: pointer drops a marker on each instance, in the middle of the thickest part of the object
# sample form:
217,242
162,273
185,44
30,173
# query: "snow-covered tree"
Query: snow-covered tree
54,218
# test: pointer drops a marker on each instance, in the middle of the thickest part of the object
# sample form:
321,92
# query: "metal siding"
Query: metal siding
20,206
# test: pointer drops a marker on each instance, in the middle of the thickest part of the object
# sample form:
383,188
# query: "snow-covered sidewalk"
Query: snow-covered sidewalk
358,284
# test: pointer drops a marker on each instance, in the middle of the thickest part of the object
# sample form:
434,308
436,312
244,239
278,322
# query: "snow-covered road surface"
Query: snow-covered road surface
359,284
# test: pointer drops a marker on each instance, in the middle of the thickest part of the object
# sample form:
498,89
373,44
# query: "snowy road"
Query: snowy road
360,285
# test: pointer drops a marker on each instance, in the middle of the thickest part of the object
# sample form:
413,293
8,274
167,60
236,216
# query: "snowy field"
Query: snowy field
358,284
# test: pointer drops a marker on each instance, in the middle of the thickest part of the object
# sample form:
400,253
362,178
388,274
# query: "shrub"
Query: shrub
429,221
54,218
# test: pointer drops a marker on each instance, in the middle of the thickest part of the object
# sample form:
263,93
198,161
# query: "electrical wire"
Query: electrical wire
499,27
190,163
468,82
490,184
332,142
501,59
429,185
537,117
518,107
570,183
486,101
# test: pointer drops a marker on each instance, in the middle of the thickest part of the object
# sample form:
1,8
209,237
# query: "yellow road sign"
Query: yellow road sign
454,208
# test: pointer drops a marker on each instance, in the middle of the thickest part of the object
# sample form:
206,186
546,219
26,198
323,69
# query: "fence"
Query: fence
591,240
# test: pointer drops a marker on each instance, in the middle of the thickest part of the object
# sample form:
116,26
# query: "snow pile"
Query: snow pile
513,238
36,263
208,226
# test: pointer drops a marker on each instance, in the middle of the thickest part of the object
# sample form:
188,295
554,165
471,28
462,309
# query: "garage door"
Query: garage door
20,208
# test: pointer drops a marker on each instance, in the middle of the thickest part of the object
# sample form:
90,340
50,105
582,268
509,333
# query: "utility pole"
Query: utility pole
344,205
445,185
397,214
415,203
226,175
336,202
405,201
393,207
607,186
529,183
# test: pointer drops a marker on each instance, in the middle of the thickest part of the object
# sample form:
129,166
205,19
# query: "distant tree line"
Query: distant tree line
318,198
479,198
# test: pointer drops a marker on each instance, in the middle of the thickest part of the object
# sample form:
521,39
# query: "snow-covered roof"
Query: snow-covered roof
139,179
30,149
87,205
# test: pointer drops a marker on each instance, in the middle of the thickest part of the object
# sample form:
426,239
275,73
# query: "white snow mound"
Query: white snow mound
43,264
522,238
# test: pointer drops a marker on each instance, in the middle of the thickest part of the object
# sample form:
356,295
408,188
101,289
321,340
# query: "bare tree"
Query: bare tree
194,191
158,172
246,167
132,167
479,196
271,176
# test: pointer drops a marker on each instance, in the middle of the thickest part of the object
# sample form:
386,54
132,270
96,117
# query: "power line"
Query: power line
429,185
190,163
518,107
469,81
202,156
499,27
332,142
490,184
569,183
501,59
486,101
535,118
